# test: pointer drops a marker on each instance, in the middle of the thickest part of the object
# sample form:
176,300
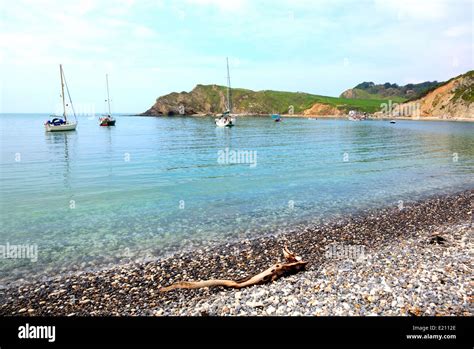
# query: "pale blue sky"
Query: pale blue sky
150,48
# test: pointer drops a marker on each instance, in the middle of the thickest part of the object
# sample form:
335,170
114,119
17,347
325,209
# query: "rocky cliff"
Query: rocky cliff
202,99
211,99
449,100
319,109
452,100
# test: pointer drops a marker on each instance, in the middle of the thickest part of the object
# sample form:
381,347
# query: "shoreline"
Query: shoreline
132,289
383,118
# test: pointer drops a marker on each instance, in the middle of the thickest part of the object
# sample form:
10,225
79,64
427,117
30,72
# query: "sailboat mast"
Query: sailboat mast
108,97
229,95
62,91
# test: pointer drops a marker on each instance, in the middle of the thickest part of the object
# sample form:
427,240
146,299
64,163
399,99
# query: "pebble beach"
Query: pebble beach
414,261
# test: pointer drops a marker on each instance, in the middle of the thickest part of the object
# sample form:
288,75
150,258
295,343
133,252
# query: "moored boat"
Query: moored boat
226,119
276,117
61,123
353,116
107,120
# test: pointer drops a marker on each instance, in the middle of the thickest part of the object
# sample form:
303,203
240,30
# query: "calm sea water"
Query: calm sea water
151,186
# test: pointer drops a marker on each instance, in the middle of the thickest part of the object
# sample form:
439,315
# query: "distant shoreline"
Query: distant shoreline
422,118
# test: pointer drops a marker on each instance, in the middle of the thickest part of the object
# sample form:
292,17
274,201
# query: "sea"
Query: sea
153,186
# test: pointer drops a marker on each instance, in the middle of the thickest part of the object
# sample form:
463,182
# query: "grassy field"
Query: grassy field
362,94
269,101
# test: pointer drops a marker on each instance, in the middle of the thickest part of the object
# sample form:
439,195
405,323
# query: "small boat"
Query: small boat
107,120
353,116
226,119
61,123
276,117
58,124
392,121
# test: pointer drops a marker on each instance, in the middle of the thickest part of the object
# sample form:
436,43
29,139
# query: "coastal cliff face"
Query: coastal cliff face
319,109
211,99
452,100
201,100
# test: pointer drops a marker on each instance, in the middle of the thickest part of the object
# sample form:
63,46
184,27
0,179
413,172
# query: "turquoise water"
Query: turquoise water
151,186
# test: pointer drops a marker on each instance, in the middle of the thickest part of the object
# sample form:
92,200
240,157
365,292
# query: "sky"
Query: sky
153,47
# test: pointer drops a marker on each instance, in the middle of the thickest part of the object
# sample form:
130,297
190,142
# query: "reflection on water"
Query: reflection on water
153,185
58,149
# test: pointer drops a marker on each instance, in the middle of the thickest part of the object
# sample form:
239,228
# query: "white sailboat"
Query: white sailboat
353,116
226,119
58,123
107,120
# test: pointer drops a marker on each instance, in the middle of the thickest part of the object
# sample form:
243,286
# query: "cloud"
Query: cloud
285,44
458,30
82,7
414,9
120,7
222,5
143,32
80,32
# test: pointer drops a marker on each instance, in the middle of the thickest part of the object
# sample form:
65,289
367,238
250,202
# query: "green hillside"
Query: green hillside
370,90
363,94
210,99
266,101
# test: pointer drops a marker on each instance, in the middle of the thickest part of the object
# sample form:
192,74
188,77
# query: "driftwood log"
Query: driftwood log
292,264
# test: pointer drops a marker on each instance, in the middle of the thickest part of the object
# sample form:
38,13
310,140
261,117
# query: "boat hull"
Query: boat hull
59,128
108,123
224,123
